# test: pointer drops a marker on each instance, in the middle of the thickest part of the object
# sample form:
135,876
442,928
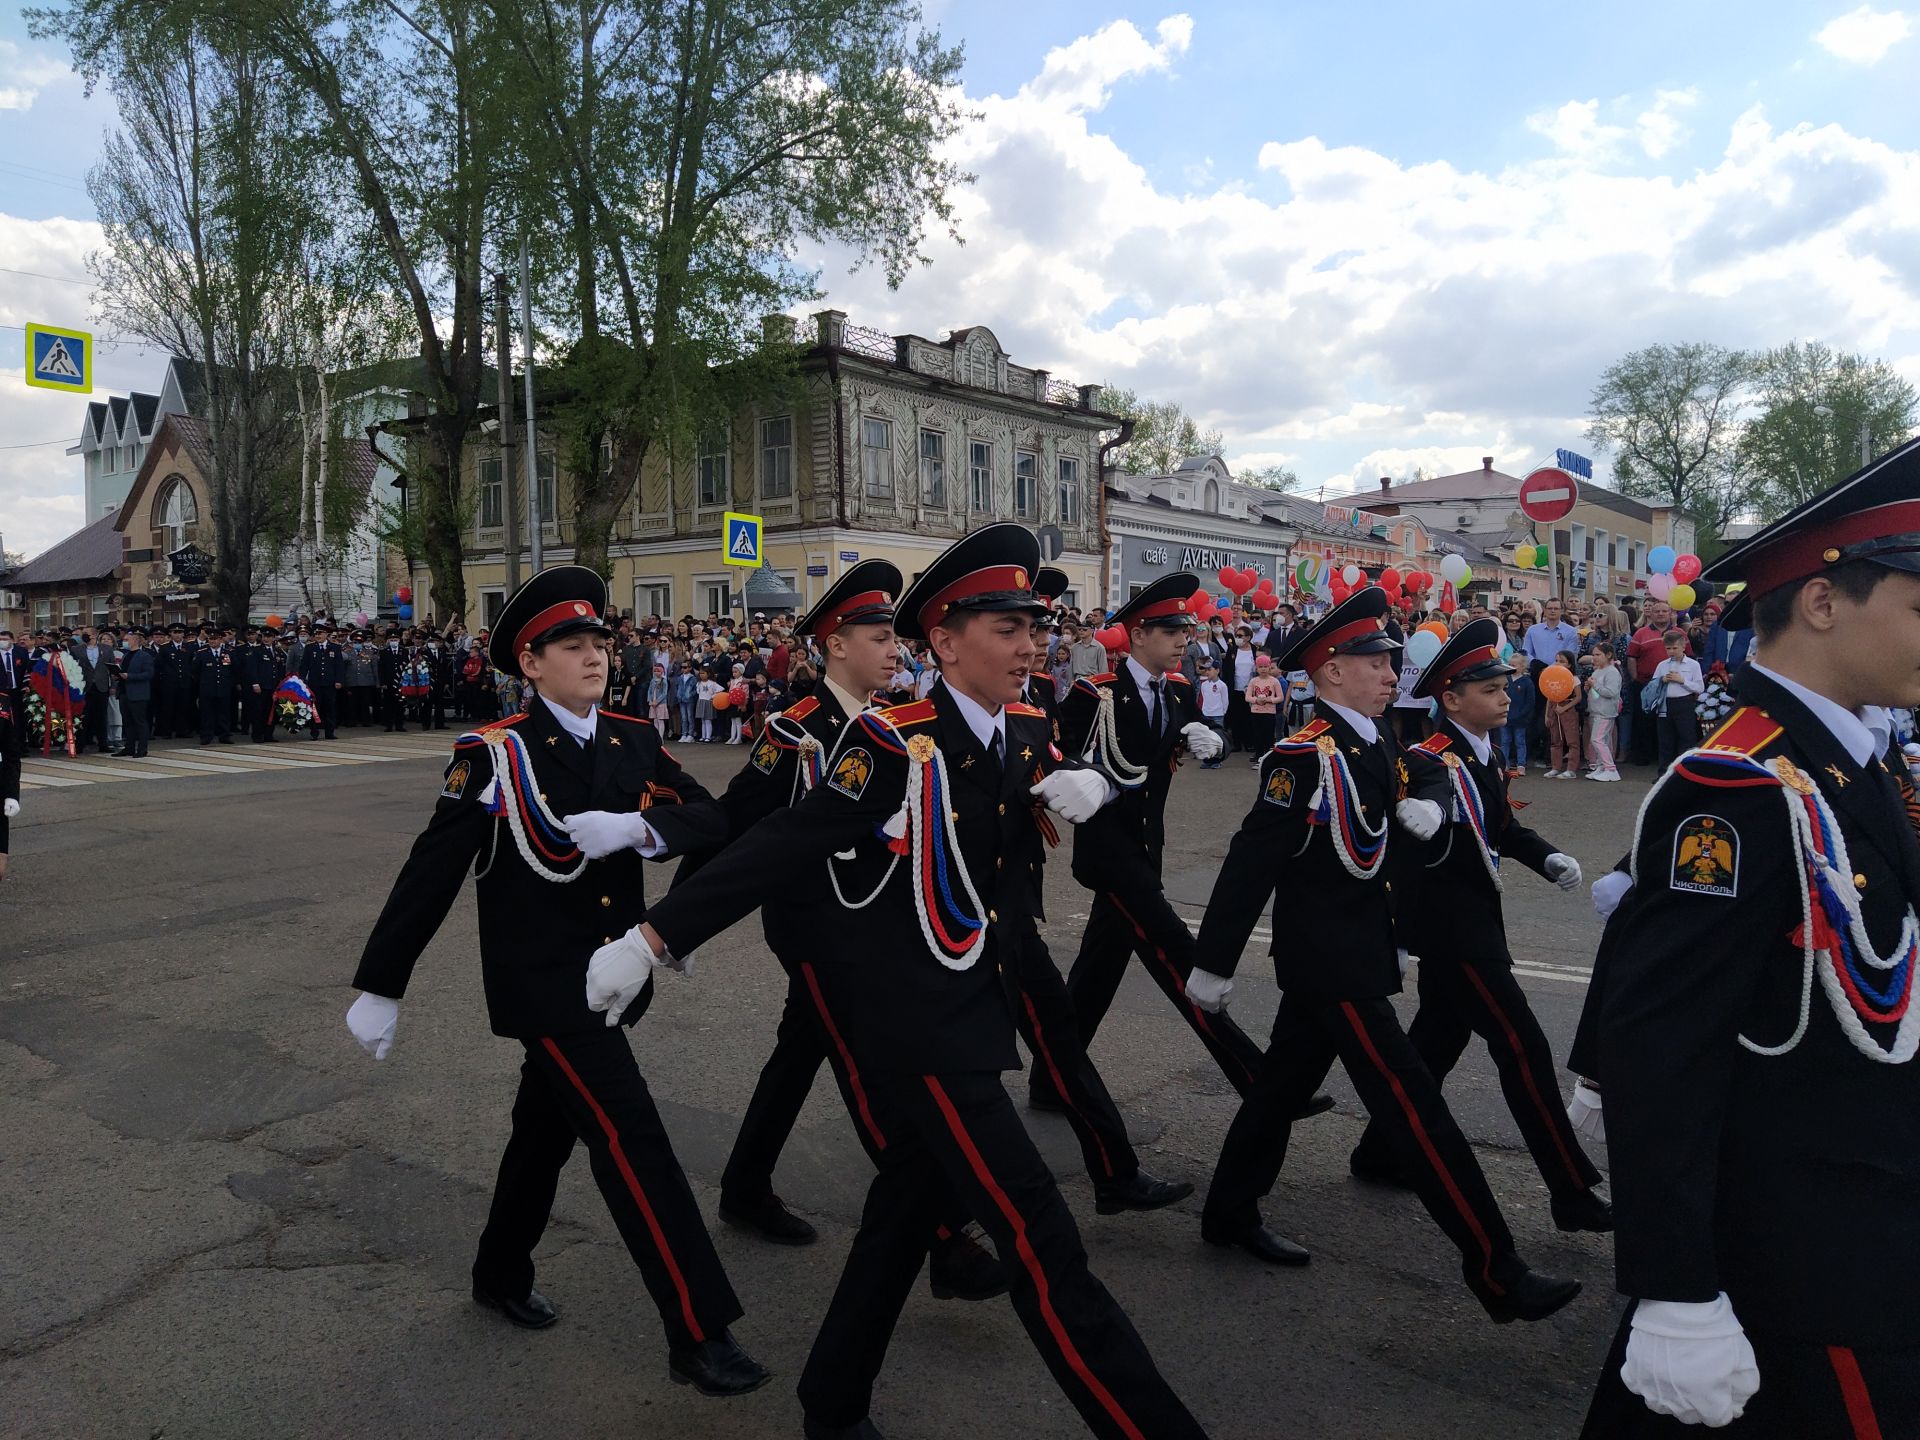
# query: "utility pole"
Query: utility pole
1866,441
534,517
503,360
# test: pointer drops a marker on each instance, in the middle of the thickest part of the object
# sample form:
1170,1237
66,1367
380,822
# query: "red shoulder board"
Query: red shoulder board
1746,730
1105,677
914,712
630,719
1434,744
1016,708
802,707
1178,678
478,736
1311,731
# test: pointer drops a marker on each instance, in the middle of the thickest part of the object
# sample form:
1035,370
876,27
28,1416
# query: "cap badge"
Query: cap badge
1830,555
1019,579
582,609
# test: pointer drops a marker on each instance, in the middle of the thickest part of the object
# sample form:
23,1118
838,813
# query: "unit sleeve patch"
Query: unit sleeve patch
458,774
1279,787
1706,857
766,754
851,773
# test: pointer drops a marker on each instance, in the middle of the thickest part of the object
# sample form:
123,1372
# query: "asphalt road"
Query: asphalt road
218,1217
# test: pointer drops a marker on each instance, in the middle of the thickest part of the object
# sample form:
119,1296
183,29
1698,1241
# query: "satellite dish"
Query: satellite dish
1053,544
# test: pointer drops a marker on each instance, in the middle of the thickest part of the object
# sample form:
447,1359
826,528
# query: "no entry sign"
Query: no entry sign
1548,494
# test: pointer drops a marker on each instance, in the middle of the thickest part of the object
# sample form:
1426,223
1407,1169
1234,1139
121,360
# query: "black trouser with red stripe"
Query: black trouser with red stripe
1141,920
1309,1034
1045,1015
1807,1392
587,1087
960,1131
1461,999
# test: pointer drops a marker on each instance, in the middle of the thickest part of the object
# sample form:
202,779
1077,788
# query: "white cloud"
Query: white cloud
24,74
1658,128
1081,76
1575,130
1864,36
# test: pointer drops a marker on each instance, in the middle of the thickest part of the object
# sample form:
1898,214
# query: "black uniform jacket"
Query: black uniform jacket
1790,1181
537,936
1333,934
1120,847
909,1011
213,673
324,666
1453,906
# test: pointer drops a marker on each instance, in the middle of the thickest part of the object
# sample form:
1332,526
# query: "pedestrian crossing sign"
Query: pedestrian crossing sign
60,359
742,539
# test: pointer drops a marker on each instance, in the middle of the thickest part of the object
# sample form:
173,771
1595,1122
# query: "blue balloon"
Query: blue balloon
1422,647
406,612
1506,649
1660,560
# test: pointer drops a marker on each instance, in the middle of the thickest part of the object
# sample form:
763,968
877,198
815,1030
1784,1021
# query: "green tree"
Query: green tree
1163,434
1815,406
1669,414
1270,477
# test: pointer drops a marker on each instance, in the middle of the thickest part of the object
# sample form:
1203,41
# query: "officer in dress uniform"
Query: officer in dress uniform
13,744
213,683
1320,832
949,786
1453,922
533,799
1135,722
173,692
1752,1023
392,670
324,668
853,625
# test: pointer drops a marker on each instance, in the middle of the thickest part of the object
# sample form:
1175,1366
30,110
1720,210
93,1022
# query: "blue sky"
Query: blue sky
1359,240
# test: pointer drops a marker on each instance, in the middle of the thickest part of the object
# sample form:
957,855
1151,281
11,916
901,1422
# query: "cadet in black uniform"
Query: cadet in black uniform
925,825
1049,583
1753,1021
534,799
1452,920
1319,831
213,682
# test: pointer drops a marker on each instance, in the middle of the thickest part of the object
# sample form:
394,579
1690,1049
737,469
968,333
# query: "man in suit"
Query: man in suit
324,668
1455,924
136,720
564,804
1321,833
1751,1022
16,663
951,785
94,652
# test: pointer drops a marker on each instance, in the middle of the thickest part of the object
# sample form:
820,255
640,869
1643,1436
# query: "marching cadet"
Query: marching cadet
213,684
927,825
1049,583
560,806
853,624
1453,921
1319,832
1755,1030
1134,723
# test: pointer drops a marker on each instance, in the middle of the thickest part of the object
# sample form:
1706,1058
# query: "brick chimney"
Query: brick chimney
1486,463
1386,483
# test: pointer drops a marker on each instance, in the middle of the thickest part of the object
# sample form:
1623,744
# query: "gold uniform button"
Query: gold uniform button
606,899
1389,887
999,862
606,939
1003,809
993,917
1859,882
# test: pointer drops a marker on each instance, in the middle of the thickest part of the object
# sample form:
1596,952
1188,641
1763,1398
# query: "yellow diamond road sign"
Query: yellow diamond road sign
60,359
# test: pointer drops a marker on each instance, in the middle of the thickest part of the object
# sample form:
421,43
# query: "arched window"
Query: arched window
1211,500
175,512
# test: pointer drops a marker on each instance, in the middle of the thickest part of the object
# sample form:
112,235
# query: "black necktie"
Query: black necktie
993,759
1160,706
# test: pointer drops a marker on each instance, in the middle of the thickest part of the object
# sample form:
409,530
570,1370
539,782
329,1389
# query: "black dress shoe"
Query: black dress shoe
716,1367
1318,1105
1585,1211
768,1218
1378,1169
1259,1242
961,1268
1526,1295
1047,1101
535,1312
1142,1192
811,1429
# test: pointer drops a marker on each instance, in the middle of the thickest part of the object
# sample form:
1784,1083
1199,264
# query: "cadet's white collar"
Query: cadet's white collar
581,727
1862,733
1363,725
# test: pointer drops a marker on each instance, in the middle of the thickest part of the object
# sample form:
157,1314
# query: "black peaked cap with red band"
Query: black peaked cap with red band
1471,653
1356,626
1050,582
1168,602
554,604
864,595
1873,514
993,569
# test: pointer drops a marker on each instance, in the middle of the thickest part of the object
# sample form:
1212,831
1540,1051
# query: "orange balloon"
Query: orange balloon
721,701
1437,629
1556,682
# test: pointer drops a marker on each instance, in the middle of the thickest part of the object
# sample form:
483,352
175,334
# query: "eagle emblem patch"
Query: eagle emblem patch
456,782
1706,857
1279,789
766,755
851,773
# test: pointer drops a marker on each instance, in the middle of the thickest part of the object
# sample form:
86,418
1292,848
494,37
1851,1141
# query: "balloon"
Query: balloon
1304,573
1452,567
406,612
1351,574
1660,559
1226,575
1224,603
1419,581
1685,567
274,622
722,701
360,617
1113,637
1390,579
1466,574
1506,649
1681,597
1523,556
1434,628
1543,559
1556,682
1422,646
1245,580
1660,587
1703,591
404,595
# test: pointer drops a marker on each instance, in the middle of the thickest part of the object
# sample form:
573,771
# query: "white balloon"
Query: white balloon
1351,574
1453,568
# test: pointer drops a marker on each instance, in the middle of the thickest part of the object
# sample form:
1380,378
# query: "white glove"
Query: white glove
1203,743
1074,795
1609,890
373,1019
1209,991
1691,1360
1589,1121
11,808
1402,958
600,833
1564,871
1420,818
618,971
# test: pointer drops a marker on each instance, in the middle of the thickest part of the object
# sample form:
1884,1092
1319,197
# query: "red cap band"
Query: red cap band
1468,661
1328,645
979,582
1798,556
548,618
1172,606
852,605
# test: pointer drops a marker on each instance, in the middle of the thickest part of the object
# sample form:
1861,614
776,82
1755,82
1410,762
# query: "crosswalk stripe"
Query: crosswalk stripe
186,763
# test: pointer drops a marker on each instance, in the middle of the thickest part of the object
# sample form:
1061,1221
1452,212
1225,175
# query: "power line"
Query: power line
40,275
37,444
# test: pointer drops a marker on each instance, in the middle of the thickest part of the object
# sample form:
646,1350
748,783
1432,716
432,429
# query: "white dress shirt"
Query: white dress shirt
986,727
1147,683
1482,746
851,703
1862,733
1363,725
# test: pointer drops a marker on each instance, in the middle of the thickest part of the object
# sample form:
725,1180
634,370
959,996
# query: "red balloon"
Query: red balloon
1390,579
1226,575
1685,568
1418,581
404,594
1114,637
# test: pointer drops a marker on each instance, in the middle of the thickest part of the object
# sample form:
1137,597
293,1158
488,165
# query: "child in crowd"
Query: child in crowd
737,701
657,698
707,689
1213,708
1522,696
1265,691
1563,729
1603,711
1681,686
